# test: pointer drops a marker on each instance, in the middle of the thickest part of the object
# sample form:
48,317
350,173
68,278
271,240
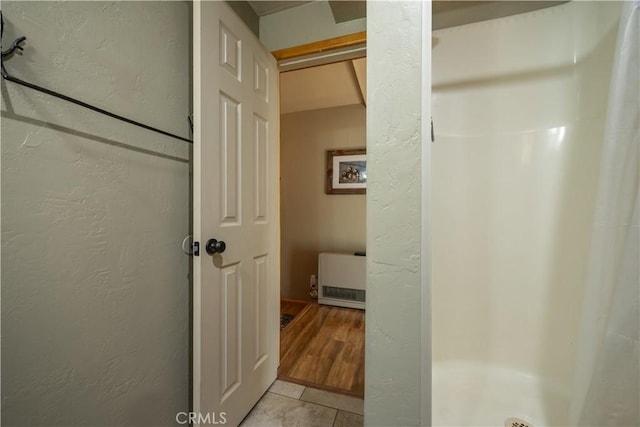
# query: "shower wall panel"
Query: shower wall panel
519,105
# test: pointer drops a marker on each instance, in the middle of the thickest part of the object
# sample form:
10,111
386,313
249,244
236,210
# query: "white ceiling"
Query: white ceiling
446,13
342,10
325,86
344,83
262,8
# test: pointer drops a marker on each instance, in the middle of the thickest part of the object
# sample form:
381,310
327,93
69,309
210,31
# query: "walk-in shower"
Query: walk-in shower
520,107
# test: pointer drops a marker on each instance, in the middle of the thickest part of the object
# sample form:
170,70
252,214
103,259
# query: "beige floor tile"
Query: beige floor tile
274,410
347,419
333,400
286,388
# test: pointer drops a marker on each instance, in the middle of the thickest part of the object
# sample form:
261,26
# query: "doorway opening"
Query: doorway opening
322,109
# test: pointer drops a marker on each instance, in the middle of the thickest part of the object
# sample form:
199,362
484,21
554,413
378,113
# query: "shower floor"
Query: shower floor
475,394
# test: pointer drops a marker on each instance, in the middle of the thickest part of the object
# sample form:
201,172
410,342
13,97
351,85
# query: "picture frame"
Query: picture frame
346,171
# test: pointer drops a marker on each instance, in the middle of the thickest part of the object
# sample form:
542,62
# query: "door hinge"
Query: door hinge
196,248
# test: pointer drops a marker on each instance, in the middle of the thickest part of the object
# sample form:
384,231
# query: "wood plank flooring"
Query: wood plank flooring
292,307
323,347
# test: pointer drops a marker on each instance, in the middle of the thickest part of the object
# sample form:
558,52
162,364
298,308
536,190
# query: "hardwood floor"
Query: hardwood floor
292,307
323,347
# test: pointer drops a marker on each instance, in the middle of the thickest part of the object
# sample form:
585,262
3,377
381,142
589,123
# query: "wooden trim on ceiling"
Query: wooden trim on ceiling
321,46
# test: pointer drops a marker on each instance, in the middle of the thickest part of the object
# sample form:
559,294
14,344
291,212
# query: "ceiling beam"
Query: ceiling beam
359,69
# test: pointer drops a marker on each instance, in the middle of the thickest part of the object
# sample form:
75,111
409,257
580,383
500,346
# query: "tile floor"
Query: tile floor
287,405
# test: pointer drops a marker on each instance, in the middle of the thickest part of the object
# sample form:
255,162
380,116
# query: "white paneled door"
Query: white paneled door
236,216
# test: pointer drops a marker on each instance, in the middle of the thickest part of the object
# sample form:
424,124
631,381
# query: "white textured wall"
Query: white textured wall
312,221
394,152
519,107
303,24
95,289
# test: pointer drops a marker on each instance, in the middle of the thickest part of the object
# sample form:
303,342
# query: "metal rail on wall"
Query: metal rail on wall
16,45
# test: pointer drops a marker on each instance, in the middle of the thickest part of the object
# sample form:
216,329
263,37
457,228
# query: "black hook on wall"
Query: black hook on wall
16,46
10,51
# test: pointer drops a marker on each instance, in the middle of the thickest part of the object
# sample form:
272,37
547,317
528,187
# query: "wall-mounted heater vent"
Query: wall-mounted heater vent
343,293
342,279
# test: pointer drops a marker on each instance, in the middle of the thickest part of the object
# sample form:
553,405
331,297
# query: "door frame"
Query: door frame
337,49
323,52
351,47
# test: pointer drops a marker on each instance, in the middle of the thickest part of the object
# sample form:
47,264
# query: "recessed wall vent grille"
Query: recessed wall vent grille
343,293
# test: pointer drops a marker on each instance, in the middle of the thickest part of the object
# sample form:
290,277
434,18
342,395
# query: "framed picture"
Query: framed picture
346,171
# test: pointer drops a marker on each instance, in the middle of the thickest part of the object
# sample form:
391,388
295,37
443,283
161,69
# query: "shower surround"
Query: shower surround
519,107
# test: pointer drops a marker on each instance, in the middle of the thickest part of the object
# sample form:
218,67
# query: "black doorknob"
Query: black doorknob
214,246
